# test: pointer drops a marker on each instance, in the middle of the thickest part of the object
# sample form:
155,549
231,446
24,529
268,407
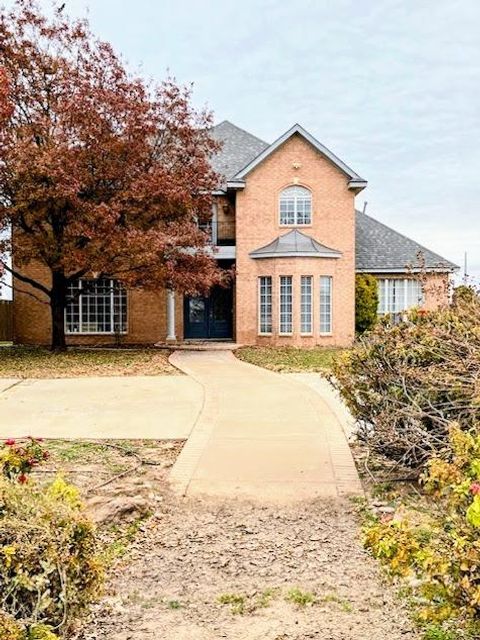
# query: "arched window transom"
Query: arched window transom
295,206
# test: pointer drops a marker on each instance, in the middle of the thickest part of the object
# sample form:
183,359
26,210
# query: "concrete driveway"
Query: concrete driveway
156,407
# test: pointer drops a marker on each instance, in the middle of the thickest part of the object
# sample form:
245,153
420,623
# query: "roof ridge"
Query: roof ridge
241,129
399,233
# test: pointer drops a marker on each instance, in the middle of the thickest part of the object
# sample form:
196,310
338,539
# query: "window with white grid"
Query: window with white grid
325,304
96,306
398,294
265,304
295,206
306,304
286,304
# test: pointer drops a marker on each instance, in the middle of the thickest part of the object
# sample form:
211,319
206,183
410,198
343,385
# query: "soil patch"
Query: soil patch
205,570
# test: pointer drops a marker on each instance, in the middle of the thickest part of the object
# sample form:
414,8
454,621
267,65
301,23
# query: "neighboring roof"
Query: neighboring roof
355,180
238,148
295,244
380,249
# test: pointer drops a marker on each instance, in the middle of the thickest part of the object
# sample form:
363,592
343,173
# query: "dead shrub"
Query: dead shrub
49,570
406,383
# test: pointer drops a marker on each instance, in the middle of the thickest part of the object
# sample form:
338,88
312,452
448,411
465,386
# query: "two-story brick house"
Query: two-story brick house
284,216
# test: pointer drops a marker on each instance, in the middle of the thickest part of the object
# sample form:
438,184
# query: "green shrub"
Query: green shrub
436,541
366,302
406,383
49,570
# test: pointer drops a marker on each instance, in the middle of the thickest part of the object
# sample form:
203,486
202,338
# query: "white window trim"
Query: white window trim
325,333
405,306
285,333
97,333
259,302
312,305
295,223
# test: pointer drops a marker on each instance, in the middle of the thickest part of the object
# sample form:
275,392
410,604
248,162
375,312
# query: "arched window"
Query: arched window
295,206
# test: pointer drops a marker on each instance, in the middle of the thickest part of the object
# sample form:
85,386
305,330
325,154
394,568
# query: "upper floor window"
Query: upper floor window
295,206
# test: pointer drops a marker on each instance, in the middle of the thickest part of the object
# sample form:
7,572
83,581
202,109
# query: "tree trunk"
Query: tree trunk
57,305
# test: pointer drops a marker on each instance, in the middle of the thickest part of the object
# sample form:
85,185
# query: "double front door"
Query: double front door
209,317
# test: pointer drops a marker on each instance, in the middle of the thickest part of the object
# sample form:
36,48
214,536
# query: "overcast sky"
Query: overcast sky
392,87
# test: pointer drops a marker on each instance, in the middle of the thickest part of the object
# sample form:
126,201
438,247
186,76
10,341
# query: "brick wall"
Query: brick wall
333,222
147,316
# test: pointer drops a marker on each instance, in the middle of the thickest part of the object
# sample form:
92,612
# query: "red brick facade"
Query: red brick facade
254,214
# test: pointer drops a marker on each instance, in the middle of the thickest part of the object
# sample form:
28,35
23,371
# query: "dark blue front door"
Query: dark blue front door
210,317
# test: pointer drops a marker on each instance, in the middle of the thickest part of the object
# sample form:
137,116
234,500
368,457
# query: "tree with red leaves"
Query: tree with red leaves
100,172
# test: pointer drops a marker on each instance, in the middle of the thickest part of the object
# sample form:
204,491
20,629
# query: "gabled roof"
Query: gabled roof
295,244
241,152
238,148
355,180
380,249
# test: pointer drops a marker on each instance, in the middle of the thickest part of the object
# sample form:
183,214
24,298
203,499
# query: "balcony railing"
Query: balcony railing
221,234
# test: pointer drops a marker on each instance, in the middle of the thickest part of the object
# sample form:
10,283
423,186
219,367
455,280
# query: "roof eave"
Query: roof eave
357,185
235,184
437,269
294,254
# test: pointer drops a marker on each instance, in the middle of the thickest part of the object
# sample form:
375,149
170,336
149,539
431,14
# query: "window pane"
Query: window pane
72,310
325,304
414,297
265,303
399,294
306,306
295,206
96,306
287,211
286,309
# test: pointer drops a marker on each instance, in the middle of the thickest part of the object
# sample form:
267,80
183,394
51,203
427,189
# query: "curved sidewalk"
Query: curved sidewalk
260,435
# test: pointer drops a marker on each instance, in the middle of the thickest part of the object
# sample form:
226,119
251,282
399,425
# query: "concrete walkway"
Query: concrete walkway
260,435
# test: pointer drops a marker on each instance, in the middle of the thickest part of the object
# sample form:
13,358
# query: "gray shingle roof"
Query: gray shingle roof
295,244
380,248
238,148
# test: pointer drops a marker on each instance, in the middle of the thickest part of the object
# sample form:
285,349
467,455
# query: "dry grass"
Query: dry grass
289,359
38,362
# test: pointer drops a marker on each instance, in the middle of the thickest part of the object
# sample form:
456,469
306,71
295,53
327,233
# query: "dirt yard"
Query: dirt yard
203,570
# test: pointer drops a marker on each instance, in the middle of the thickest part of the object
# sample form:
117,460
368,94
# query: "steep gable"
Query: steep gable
355,181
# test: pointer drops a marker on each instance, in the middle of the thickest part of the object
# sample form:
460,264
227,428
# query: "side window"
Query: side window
325,304
286,305
295,206
306,306
265,304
